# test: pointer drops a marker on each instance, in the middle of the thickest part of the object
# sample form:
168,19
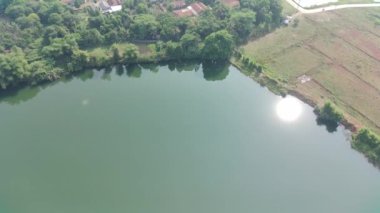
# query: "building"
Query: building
183,13
192,10
110,6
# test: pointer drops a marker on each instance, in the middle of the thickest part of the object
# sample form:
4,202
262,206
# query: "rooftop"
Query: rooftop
192,10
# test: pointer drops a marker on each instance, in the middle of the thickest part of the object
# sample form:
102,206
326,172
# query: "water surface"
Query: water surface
173,140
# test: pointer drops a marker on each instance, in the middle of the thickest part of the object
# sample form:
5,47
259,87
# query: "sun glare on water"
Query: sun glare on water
289,109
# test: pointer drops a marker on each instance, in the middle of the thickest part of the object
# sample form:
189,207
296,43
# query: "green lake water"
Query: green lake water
162,139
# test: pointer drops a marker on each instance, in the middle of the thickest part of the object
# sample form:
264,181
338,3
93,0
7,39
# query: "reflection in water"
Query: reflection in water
216,71
107,73
180,66
18,95
119,70
85,75
331,126
134,71
289,109
151,67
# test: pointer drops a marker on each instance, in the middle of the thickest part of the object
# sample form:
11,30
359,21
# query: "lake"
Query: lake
182,138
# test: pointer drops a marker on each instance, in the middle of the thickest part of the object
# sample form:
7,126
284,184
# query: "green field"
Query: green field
338,50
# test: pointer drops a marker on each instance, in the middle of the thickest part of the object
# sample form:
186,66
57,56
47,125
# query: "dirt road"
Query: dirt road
331,7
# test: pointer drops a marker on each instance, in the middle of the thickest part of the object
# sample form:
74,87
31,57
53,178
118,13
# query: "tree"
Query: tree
42,70
368,143
32,20
55,18
55,7
142,8
115,53
130,53
169,27
190,45
78,61
276,10
267,11
173,50
144,27
96,22
366,137
16,11
221,11
60,49
111,37
329,113
206,24
218,45
242,24
52,32
14,68
71,21
90,38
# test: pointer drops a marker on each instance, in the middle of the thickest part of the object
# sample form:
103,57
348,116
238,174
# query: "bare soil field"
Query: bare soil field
338,50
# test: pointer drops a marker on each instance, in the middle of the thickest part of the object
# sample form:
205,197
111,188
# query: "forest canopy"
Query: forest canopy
45,39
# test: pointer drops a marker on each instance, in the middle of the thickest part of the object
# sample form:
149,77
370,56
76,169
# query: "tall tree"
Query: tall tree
242,24
218,46
190,45
144,27
13,68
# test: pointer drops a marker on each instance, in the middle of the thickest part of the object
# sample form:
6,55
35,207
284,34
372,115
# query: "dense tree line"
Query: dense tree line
42,40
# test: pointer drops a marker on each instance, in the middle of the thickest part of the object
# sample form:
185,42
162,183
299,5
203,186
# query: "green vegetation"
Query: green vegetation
329,113
329,116
44,40
369,144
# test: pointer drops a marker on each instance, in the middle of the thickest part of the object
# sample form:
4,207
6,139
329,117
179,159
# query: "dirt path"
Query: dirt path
331,7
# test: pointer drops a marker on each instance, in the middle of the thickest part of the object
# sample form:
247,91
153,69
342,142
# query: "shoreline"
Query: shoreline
362,139
280,89
264,80
255,74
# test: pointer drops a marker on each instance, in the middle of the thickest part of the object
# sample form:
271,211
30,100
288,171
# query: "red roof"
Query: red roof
183,13
192,10
198,7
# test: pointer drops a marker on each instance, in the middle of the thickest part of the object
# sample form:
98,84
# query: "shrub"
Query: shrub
329,113
369,144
